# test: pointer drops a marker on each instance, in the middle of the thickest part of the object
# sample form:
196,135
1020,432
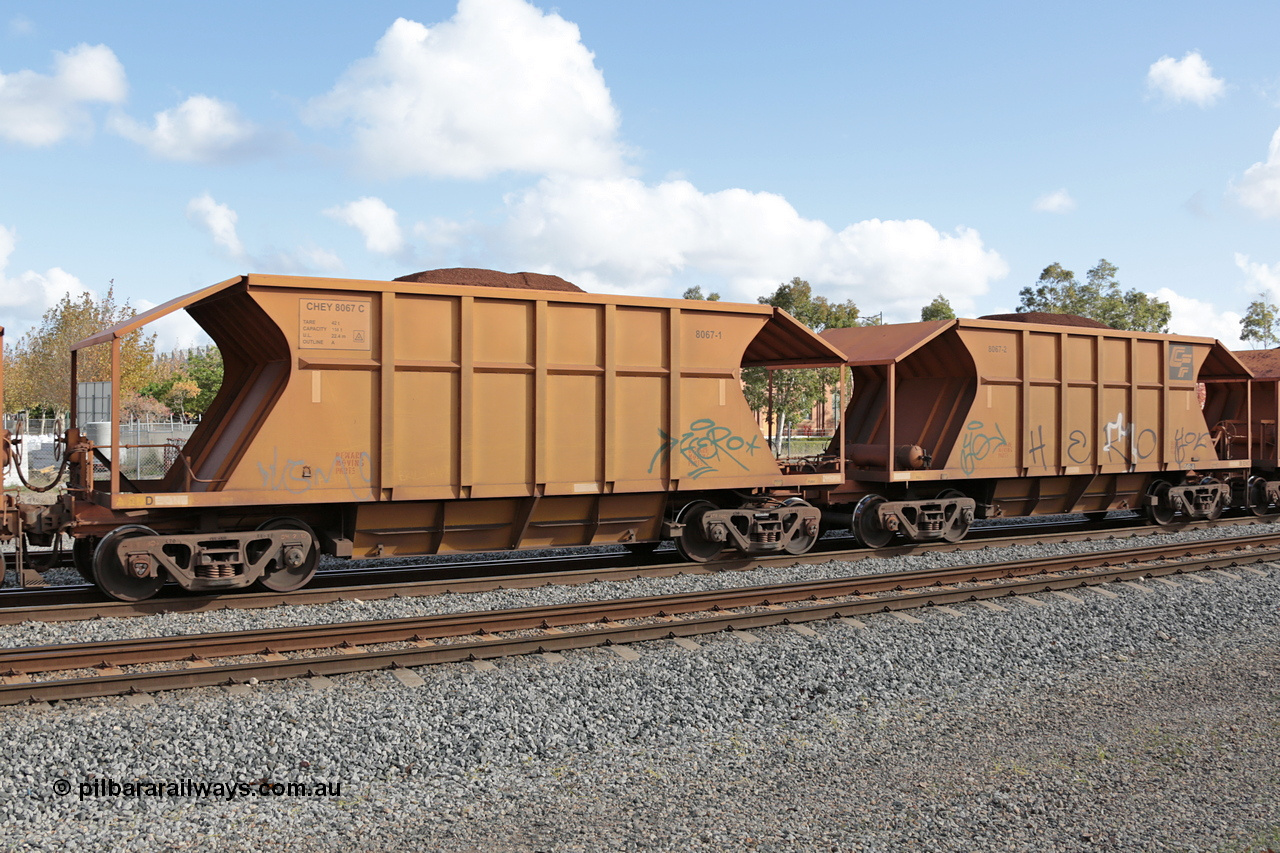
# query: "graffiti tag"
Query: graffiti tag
1185,444
979,445
706,447
349,468
1127,441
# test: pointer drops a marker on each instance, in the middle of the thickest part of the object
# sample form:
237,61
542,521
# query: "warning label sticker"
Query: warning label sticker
334,323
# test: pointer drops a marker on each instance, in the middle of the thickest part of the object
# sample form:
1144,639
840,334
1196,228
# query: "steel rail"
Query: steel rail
78,602
423,629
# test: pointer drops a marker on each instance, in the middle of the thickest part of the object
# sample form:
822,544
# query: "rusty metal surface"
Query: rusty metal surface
1031,405
463,417
111,655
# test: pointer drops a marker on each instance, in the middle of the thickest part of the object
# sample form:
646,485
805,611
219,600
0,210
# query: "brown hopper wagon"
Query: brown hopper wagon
1258,436
960,419
373,418
10,521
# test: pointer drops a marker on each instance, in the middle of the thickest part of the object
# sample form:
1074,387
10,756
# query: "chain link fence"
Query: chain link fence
147,448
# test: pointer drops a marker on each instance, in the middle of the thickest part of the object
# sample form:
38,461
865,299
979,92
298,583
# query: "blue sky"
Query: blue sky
884,152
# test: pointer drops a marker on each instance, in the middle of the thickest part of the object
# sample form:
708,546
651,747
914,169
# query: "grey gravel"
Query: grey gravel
1150,721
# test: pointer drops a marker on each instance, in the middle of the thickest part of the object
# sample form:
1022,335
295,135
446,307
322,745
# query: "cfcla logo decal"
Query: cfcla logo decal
1181,361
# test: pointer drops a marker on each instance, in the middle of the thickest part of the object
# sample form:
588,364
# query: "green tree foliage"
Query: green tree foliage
938,309
187,380
1099,298
796,392
37,375
1259,322
695,292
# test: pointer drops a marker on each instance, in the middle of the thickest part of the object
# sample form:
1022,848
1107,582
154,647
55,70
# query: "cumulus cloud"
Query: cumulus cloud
619,234
219,221
1190,316
199,130
1189,79
1262,278
25,297
39,109
499,86
1059,201
1259,188
173,331
375,221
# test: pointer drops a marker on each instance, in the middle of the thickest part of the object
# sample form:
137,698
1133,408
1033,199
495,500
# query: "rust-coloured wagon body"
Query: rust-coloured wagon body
407,418
1264,407
10,527
956,419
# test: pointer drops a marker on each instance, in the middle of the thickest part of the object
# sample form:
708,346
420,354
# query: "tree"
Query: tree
938,309
38,372
695,292
199,373
204,366
1259,322
1100,298
796,392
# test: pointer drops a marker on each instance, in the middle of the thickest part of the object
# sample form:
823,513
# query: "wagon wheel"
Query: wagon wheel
1162,511
82,556
116,579
1258,504
959,530
279,575
867,527
692,543
804,538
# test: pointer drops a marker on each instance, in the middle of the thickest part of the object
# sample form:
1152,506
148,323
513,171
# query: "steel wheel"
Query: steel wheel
113,577
692,544
802,540
281,577
82,556
1258,499
1162,512
961,529
866,527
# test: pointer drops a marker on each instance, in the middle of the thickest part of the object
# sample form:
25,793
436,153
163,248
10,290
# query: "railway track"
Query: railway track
96,669
83,601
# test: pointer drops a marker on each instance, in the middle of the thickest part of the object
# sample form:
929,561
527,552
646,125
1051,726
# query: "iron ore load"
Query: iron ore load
954,420
374,419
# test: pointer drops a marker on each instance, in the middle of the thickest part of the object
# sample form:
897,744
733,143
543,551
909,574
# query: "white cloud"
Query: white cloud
39,110
375,221
1059,201
199,130
1259,187
1191,316
173,331
620,234
1262,278
219,220
1187,79
499,86
25,297
20,25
